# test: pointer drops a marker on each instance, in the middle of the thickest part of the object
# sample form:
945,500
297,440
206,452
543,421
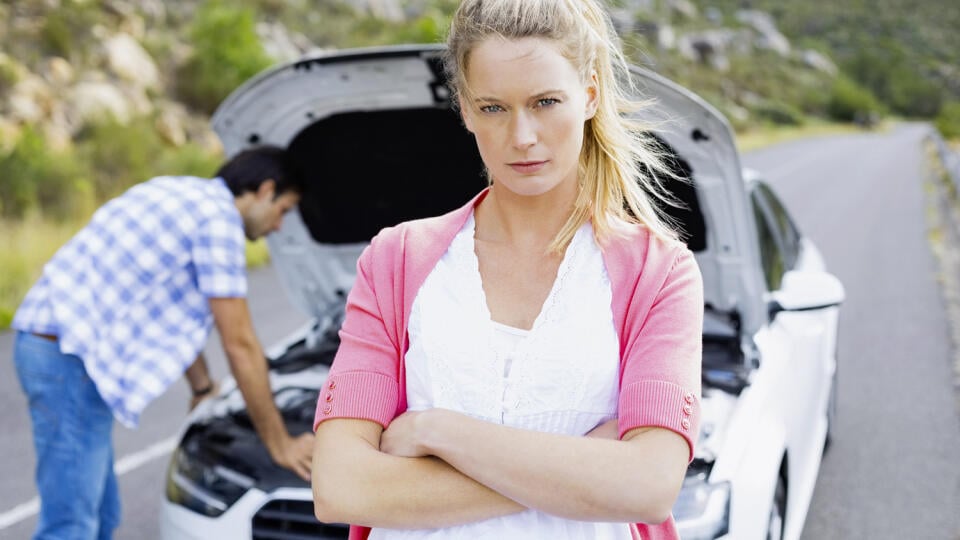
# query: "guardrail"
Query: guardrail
949,158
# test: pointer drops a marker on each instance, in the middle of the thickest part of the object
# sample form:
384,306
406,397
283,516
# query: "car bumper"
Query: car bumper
179,523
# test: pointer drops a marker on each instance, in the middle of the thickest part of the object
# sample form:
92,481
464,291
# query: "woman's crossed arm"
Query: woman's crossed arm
439,468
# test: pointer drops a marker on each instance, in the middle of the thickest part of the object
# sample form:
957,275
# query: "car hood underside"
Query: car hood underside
375,137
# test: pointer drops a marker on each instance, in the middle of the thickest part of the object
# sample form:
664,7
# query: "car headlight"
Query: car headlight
204,488
702,510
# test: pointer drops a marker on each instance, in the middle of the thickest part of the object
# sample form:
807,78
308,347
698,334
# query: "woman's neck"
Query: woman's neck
523,221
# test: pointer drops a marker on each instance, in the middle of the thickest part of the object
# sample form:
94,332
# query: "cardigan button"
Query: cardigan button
687,409
332,384
689,397
329,398
685,424
327,410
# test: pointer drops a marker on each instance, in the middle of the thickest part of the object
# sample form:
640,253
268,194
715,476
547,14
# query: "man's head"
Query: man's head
263,187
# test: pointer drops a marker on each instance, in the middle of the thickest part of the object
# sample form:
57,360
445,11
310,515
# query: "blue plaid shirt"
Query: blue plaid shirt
129,293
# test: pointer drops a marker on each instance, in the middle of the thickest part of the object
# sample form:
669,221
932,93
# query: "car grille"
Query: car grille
293,520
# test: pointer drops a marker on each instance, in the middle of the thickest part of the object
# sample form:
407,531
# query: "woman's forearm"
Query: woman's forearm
590,479
354,482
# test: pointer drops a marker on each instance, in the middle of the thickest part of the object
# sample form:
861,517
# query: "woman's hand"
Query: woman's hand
405,436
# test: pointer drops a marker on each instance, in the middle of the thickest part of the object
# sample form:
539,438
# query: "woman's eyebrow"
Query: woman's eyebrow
487,99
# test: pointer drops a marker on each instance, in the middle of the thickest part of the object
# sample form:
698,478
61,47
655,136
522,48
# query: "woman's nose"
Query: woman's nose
523,131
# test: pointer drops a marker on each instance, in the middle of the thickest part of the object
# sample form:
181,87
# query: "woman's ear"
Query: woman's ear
593,96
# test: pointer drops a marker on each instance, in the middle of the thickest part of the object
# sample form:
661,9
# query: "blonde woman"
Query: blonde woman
527,366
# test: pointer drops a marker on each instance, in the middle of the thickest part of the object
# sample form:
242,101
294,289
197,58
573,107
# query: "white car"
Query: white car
373,132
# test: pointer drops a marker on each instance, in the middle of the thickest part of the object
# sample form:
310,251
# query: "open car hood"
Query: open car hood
373,134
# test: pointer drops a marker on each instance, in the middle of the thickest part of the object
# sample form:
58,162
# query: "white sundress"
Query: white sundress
561,376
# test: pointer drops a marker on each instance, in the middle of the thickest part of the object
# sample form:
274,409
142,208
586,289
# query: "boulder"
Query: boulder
714,15
818,61
93,101
768,36
683,9
140,102
281,44
129,61
58,71
170,123
56,137
710,47
390,10
9,134
666,37
30,100
134,26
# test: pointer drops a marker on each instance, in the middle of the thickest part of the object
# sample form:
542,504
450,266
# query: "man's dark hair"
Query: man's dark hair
250,168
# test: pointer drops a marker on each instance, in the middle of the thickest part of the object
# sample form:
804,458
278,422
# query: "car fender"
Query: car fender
755,479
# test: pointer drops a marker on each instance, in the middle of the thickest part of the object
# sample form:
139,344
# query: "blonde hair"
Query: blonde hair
620,165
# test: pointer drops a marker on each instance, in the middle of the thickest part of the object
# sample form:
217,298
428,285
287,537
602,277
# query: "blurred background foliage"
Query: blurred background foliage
888,58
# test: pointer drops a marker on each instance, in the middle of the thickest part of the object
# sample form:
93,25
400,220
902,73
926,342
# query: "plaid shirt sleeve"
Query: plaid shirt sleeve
219,255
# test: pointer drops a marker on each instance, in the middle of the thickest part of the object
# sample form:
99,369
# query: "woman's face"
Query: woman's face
526,107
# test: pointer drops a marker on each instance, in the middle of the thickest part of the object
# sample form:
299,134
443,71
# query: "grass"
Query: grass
257,253
756,137
25,246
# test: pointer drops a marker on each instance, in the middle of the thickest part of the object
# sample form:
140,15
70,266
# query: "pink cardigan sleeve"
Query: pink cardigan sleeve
660,384
364,380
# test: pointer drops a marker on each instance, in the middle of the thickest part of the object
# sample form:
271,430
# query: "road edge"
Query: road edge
943,235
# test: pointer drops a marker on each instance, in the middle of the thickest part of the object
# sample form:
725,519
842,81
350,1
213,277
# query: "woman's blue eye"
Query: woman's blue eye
546,102
490,108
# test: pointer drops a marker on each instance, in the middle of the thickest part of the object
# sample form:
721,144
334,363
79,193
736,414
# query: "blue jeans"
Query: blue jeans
72,430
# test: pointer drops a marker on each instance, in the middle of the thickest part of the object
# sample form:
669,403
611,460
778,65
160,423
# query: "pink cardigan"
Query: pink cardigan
657,308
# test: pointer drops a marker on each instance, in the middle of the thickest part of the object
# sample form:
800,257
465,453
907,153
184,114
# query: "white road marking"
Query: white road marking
121,467
20,513
137,459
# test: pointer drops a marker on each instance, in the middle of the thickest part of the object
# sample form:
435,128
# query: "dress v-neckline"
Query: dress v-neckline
477,279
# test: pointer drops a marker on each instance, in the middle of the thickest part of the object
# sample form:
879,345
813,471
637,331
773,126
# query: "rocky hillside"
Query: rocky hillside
97,94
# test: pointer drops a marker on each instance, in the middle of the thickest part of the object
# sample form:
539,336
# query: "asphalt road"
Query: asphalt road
893,470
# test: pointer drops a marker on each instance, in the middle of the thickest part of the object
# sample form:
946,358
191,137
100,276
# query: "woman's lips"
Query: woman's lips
527,167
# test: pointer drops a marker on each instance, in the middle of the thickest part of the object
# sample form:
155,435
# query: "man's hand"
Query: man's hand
296,454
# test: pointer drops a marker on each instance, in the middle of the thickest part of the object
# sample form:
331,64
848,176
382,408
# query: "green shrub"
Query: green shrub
849,101
124,155
121,154
371,30
189,159
56,34
66,29
781,114
912,95
36,178
226,52
6,317
948,121
9,76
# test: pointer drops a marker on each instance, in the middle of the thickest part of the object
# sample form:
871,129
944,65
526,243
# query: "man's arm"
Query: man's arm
249,367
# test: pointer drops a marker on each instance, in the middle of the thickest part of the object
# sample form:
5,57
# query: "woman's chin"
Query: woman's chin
528,186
